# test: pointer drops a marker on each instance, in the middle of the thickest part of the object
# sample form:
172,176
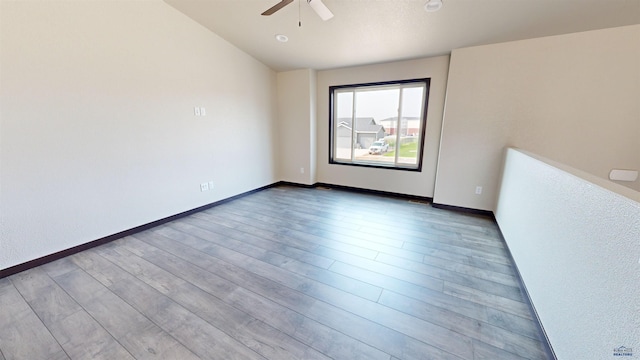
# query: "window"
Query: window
379,125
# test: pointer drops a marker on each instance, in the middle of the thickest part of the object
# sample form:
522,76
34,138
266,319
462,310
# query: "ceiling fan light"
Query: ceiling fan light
433,5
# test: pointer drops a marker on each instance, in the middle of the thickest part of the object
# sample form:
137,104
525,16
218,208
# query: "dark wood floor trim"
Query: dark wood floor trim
486,213
58,255
76,249
305,186
361,190
544,339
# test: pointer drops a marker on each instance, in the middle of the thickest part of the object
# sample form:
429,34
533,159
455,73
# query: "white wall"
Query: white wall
296,124
403,182
572,98
576,241
98,132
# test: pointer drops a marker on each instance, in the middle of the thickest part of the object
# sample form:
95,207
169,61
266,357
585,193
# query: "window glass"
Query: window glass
379,125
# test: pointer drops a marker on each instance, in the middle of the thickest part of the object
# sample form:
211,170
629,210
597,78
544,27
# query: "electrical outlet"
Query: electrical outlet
204,186
301,170
196,112
203,111
478,190
210,185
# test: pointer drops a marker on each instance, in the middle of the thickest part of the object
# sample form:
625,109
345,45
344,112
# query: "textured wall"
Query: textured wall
296,126
98,133
576,241
572,98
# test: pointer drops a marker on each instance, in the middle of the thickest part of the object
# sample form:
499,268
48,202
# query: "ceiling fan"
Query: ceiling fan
317,5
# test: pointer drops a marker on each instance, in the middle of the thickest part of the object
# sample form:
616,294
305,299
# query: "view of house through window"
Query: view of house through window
364,124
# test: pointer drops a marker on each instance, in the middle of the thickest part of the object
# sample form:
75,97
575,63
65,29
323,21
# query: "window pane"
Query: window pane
343,136
379,124
372,108
412,99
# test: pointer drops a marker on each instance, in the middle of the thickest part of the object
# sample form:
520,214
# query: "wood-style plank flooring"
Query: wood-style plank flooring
284,273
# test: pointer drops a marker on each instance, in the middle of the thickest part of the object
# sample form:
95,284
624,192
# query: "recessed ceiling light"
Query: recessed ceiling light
433,5
282,38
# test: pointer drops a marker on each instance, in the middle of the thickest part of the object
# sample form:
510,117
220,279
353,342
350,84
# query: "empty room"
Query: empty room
320,179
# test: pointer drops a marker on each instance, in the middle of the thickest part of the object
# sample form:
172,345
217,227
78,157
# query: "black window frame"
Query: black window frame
423,124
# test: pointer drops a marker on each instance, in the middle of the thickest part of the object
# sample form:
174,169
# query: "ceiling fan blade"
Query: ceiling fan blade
277,7
321,9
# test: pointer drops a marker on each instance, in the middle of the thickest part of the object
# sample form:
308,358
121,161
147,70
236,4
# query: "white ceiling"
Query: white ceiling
376,31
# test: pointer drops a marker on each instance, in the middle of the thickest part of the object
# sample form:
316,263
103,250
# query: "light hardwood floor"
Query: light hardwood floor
284,273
